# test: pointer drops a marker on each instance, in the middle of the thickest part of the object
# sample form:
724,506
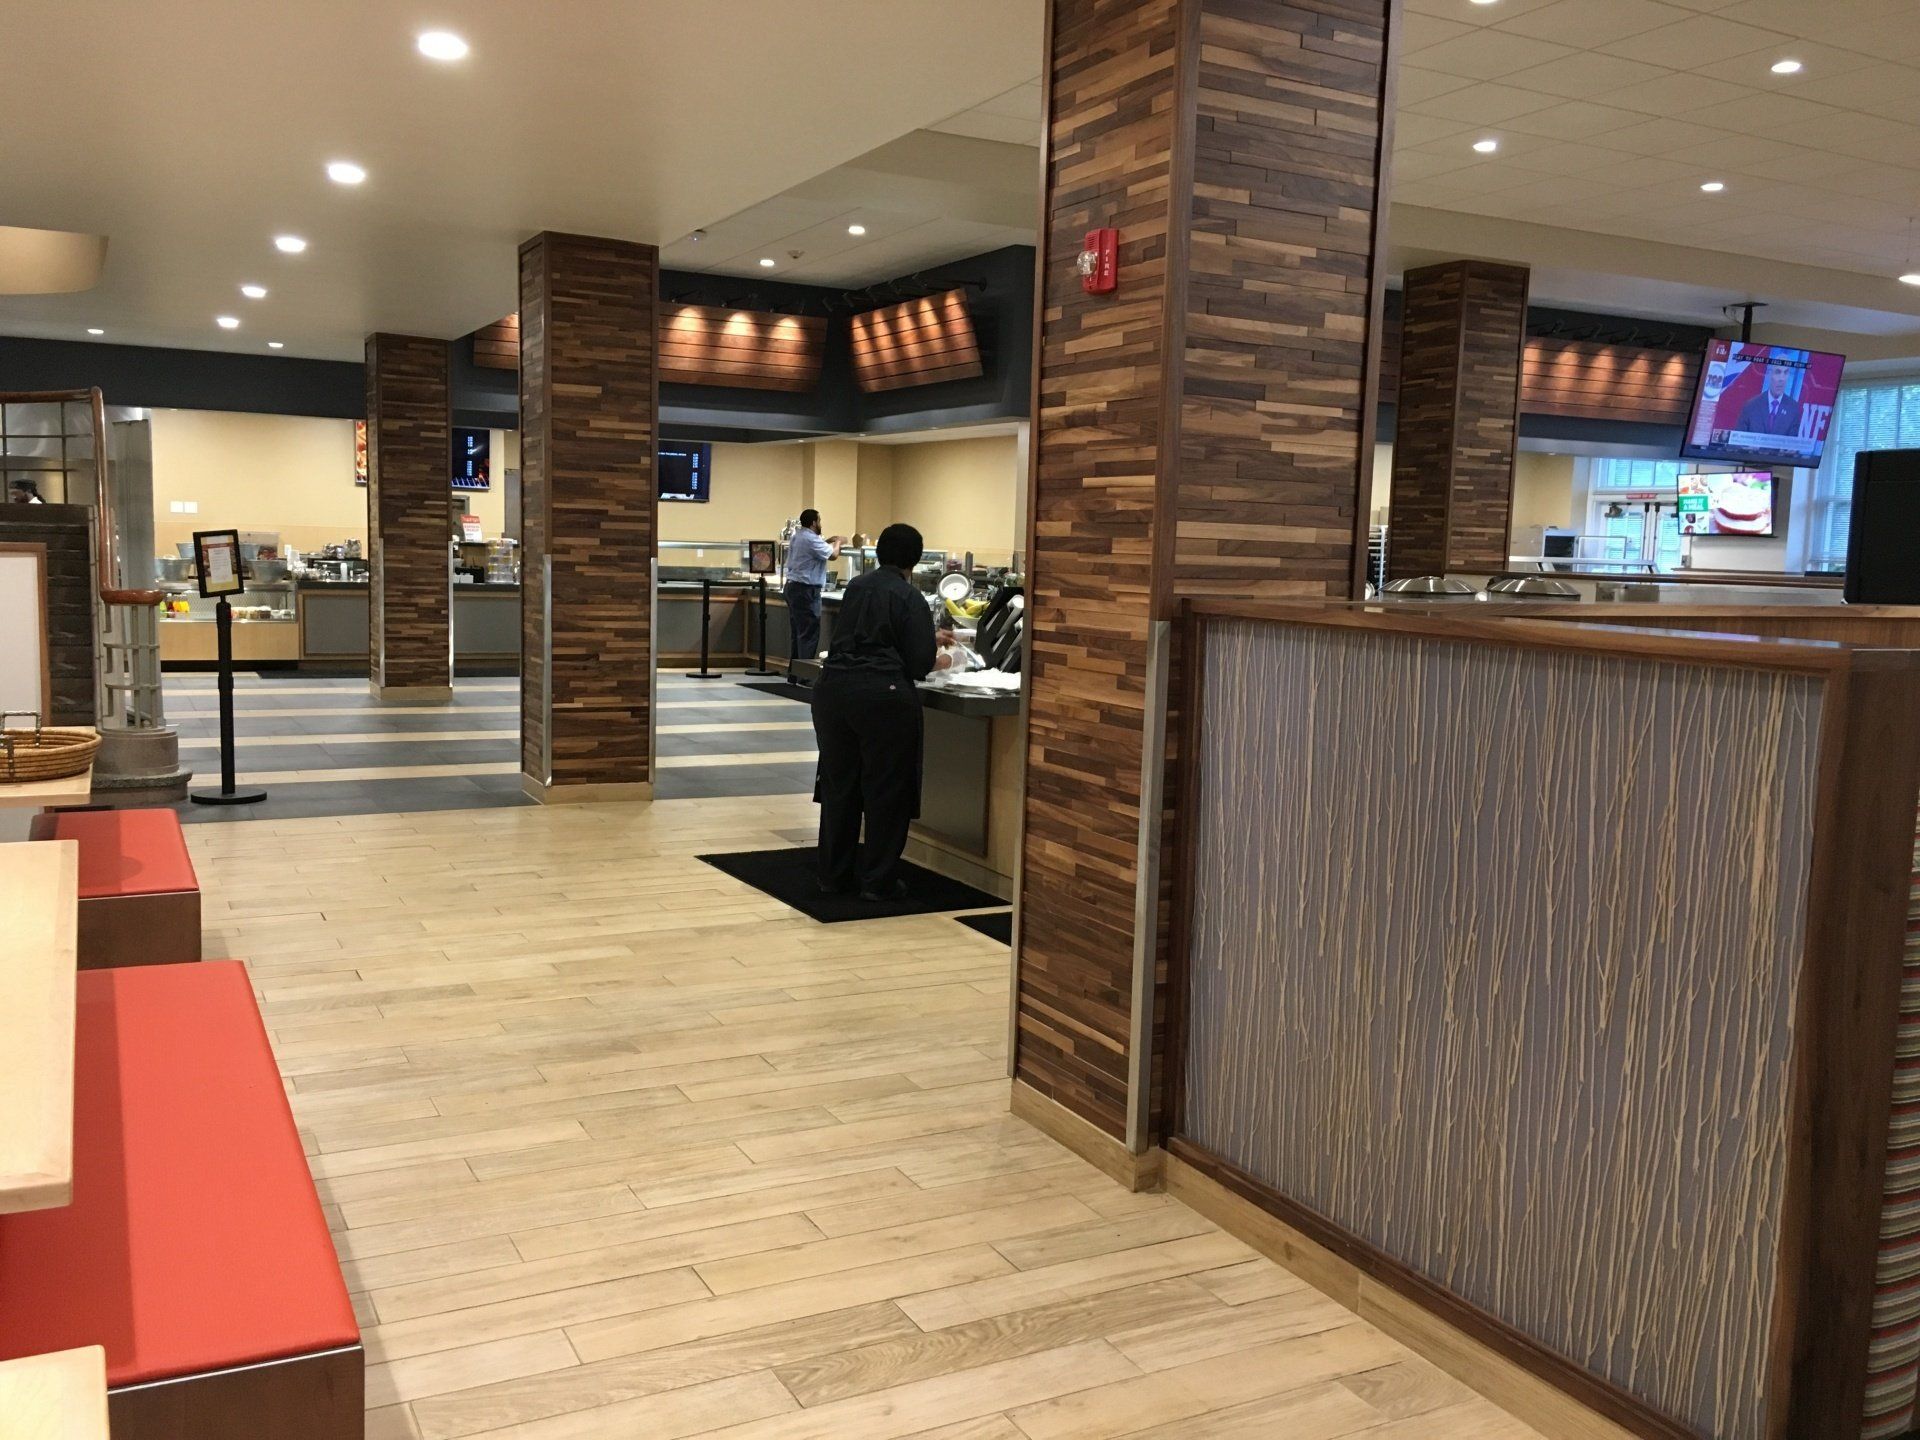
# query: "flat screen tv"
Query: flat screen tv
684,469
1762,404
472,459
1736,504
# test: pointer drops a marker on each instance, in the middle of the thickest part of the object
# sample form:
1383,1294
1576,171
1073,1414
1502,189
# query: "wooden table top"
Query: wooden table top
39,910
58,1396
38,794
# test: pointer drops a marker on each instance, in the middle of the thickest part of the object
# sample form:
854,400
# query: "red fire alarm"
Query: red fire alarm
1100,262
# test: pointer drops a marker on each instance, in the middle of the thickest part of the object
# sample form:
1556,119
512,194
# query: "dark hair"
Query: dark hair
809,519
900,545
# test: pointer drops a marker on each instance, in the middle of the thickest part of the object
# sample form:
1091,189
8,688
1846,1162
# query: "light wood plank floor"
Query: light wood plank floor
614,1146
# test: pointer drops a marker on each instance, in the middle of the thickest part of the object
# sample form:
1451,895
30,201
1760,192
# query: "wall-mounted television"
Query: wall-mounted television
472,459
1740,503
1762,404
684,469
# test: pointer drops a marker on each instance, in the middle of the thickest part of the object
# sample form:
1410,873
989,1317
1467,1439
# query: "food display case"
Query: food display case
265,623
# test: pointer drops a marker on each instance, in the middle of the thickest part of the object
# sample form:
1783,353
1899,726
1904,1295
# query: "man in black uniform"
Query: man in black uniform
866,715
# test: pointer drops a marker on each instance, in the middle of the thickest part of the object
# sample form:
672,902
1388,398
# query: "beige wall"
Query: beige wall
292,474
1542,490
756,490
960,494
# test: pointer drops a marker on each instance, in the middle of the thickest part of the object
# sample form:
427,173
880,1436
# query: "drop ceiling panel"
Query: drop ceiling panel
1584,25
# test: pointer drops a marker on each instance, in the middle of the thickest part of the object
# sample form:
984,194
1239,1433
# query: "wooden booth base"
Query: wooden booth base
303,1397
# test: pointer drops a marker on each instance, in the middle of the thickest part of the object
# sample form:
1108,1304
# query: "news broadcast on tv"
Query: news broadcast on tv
1763,404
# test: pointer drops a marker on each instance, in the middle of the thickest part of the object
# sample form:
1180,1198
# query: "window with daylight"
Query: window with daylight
1636,474
1878,415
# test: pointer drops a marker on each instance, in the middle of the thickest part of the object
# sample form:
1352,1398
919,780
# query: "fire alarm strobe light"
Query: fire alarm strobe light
1100,262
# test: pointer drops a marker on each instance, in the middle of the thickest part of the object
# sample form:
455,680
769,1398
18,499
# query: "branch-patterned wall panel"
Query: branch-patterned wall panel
1464,331
409,512
1198,431
589,405
1498,1078
917,342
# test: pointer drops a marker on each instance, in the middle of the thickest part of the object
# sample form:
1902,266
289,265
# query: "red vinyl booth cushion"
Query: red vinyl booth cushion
124,852
195,1240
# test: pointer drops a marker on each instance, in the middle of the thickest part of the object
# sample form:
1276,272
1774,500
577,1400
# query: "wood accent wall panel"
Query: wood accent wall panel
497,346
409,512
589,406
65,532
743,349
1584,379
1463,336
1555,1074
1199,431
917,342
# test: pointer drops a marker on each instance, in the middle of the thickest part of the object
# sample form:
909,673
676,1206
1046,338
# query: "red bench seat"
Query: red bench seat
195,1244
139,897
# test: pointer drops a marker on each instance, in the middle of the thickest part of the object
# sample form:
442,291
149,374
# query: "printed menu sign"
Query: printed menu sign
218,554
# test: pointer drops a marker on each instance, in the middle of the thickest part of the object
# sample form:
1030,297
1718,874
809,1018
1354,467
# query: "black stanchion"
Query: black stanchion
706,672
761,604
227,794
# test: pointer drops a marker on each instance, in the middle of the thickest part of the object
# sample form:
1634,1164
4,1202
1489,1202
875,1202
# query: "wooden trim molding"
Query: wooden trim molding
1546,1390
1085,1139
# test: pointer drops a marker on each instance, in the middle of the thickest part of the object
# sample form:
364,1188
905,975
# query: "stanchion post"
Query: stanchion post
227,794
706,672
760,601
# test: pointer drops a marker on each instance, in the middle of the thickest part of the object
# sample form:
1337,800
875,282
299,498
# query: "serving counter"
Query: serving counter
323,624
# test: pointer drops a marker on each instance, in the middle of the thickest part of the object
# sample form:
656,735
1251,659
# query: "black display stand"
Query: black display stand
227,794
760,601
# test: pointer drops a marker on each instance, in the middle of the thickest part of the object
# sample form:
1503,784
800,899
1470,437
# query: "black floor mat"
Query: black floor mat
790,876
997,926
784,688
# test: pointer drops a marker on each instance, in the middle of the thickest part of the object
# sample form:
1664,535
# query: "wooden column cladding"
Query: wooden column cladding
1464,330
1203,430
409,516
589,417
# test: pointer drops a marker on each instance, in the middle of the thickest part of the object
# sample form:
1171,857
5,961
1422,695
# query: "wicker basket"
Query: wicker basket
46,752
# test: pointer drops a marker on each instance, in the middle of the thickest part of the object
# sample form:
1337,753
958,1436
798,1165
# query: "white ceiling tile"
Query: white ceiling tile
1812,20
1419,31
1464,12
1575,120
1731,152
1675,94
980,125
1489,54
1484,104
1695,41
1762,113
1410,130
1659,137
1586,25
1415,84
1588,76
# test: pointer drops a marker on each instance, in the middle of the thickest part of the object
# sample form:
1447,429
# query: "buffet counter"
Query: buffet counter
323,624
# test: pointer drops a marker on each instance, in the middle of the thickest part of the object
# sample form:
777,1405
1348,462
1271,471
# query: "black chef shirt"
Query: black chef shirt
883,631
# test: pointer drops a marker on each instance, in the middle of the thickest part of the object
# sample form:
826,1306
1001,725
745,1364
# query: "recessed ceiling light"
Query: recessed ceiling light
276,344
1714,187
345,172
1486,147
1912,278
227,322
289,244
95,330
441,45
766,262
856,229
1787,67
254,292
1483,2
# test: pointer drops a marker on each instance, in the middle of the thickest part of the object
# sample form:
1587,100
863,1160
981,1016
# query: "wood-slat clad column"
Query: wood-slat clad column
589,422
1462,348
1205,430
409,518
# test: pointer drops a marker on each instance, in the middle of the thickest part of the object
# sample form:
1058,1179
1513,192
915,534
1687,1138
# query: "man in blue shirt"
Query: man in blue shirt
807,559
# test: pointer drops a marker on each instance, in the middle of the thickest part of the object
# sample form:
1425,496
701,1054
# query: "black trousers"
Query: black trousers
870,736
803,620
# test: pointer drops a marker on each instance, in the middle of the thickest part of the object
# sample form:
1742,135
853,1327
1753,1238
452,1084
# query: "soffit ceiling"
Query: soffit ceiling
191,132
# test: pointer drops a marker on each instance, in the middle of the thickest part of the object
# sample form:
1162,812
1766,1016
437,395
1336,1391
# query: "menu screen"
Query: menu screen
1738,504
472,460
1762,404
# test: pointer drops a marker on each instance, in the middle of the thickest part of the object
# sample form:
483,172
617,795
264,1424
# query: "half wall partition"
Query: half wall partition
1556,992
